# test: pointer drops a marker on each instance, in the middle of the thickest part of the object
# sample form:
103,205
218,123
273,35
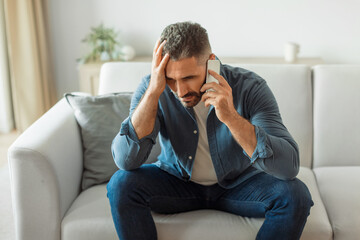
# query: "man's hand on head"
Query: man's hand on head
158,80
221,98
144,117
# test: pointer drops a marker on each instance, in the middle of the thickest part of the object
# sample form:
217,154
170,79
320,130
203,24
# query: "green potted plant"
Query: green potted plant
103,44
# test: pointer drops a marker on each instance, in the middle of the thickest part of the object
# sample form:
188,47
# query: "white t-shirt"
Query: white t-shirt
203,171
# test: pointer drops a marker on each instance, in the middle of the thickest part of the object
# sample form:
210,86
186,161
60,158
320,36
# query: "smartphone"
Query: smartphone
215,66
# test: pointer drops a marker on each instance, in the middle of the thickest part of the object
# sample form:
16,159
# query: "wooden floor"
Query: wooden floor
6,139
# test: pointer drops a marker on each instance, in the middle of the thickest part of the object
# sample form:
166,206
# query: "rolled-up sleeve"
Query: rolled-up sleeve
262,149
130,152
276,152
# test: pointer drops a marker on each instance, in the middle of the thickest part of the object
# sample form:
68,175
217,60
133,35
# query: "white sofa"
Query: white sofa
320,106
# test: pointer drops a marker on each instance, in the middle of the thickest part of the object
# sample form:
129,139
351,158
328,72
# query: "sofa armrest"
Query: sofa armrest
45,172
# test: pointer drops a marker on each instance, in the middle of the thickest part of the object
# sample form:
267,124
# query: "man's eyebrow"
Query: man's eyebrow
168,78
190,76
183,78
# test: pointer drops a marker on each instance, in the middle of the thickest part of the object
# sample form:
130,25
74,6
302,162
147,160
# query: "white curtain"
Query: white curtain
30,68
6,113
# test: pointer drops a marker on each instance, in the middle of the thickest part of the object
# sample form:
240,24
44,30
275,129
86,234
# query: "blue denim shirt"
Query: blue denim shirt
276,152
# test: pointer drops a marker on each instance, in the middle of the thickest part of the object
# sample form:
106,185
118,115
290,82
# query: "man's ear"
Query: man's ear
212,56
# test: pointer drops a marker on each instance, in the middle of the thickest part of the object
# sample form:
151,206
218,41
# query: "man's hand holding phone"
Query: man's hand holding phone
219,94
158,81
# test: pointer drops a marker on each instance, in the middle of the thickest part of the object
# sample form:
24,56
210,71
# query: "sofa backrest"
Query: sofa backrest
122,76
291,85
336,115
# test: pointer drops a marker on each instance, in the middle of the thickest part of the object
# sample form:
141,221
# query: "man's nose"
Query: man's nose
181,89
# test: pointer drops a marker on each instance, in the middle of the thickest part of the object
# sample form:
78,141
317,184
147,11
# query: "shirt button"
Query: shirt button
195,132
190,157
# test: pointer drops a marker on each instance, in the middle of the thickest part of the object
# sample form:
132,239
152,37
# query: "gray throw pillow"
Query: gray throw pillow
100,118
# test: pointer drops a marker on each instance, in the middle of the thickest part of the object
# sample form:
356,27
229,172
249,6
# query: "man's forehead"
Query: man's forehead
183,68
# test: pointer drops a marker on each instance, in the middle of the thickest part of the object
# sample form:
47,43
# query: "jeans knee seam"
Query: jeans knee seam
258,202
180,198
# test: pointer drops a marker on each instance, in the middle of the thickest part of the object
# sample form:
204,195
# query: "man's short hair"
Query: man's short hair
184,40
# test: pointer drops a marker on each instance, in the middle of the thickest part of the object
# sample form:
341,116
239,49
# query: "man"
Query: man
225,149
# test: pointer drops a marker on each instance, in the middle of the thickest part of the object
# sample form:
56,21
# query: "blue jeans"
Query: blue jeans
134,194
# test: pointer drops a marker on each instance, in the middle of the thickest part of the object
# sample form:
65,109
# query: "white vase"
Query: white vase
291,51
104,56
127,52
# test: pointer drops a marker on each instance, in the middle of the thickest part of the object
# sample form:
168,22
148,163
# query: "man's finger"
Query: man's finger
220,78
213,85
160,48
206,98
158,53
164,61
156,46
209,101
209,94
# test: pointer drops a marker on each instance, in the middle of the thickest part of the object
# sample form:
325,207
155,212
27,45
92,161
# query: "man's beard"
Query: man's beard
193,102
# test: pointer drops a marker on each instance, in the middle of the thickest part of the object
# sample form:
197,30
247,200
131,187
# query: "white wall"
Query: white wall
69,22
324,28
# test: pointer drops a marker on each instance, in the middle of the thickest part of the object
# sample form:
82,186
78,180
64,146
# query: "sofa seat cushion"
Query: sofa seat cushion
89,218
339,189
317,225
